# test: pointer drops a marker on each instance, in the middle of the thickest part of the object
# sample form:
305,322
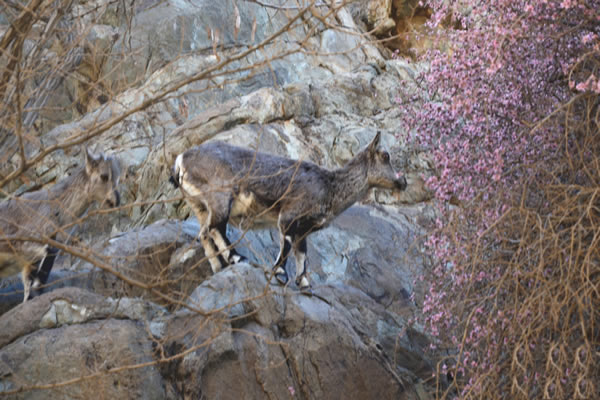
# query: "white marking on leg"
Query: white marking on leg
179,168
205,239
39,268
219,241
282,239
211,254
26,283
300,264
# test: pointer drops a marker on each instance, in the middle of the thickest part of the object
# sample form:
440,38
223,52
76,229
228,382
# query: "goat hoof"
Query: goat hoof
282,279
236,259
302,282
281,276
304,286
306,290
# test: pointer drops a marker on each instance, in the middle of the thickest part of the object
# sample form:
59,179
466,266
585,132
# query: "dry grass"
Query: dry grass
530,310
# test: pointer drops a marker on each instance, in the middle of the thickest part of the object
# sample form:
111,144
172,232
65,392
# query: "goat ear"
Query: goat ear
375,143
115,167
91,162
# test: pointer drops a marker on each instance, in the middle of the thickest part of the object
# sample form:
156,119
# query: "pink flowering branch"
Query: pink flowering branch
511,120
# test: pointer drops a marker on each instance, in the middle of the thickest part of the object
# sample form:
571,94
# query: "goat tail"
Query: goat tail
173,181
177,175
45,266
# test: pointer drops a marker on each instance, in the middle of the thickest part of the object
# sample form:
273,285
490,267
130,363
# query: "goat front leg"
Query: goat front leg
220,210
210,252
219,237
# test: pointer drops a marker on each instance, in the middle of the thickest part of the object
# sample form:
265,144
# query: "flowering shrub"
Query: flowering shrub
513,125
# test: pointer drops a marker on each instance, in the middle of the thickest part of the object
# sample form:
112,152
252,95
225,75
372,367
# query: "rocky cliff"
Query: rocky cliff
142,315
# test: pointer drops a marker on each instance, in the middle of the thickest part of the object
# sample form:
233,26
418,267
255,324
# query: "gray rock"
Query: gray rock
95,355
162,255
267,341
73,334
368,248
71,306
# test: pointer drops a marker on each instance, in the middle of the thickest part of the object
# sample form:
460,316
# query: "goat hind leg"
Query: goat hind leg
25,272
300,256
279,267
39,276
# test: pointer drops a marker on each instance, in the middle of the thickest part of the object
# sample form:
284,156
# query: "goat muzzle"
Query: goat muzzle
401,183
116,201
173,181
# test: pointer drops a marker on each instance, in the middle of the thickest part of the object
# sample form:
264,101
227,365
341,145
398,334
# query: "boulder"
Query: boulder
239,336
75,344
267,341
161,262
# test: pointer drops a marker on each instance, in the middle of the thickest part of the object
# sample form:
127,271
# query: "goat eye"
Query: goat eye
386,156
104,177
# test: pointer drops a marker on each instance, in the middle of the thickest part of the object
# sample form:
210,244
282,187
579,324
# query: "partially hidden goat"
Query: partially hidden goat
224,183
44,213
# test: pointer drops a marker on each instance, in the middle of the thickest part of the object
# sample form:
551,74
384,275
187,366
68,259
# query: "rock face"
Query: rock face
402,20
288,338
139,313
74,335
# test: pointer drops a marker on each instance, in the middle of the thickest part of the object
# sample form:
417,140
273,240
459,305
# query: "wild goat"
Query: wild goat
224,183
44,213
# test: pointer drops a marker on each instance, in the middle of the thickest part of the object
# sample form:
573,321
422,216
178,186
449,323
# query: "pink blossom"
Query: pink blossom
511,66
587,38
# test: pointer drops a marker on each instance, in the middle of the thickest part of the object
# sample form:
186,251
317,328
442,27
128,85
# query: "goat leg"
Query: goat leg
279,268
40,276
26,282
301,272
209,251
219,237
